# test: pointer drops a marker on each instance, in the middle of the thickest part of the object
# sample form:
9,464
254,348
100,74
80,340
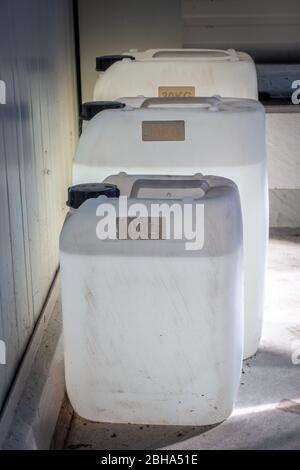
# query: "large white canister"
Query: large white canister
216,136
174,73
153,330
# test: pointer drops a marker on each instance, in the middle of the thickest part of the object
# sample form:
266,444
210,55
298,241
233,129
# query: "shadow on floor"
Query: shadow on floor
267,413
86,435
131,437
257,379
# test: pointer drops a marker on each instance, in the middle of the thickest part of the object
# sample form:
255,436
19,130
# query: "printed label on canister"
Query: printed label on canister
176,91
141,228
163,131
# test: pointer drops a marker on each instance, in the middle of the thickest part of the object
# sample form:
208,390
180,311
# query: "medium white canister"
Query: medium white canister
174,73
153,331
224,137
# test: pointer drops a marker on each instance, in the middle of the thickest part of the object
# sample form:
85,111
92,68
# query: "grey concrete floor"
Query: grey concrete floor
267,412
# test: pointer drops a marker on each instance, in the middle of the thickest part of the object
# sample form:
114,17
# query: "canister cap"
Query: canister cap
78,194
90,109
105,61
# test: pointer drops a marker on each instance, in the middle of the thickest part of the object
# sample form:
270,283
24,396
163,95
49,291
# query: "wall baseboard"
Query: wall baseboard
29,415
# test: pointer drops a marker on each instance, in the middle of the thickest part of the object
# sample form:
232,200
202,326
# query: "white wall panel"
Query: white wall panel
114,26
269,29
283,144
38,132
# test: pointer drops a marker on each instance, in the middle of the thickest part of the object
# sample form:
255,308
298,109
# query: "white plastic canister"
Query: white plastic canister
224,137
177,73
153,331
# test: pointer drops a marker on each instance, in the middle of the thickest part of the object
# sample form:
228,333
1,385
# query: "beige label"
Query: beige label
141,228
176,91
163,130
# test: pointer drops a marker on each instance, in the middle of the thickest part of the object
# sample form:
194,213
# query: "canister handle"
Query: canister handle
209,102
166,184
224,54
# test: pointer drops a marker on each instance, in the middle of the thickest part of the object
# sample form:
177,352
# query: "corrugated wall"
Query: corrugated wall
38,132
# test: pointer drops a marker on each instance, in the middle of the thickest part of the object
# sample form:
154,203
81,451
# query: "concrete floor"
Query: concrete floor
267,412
